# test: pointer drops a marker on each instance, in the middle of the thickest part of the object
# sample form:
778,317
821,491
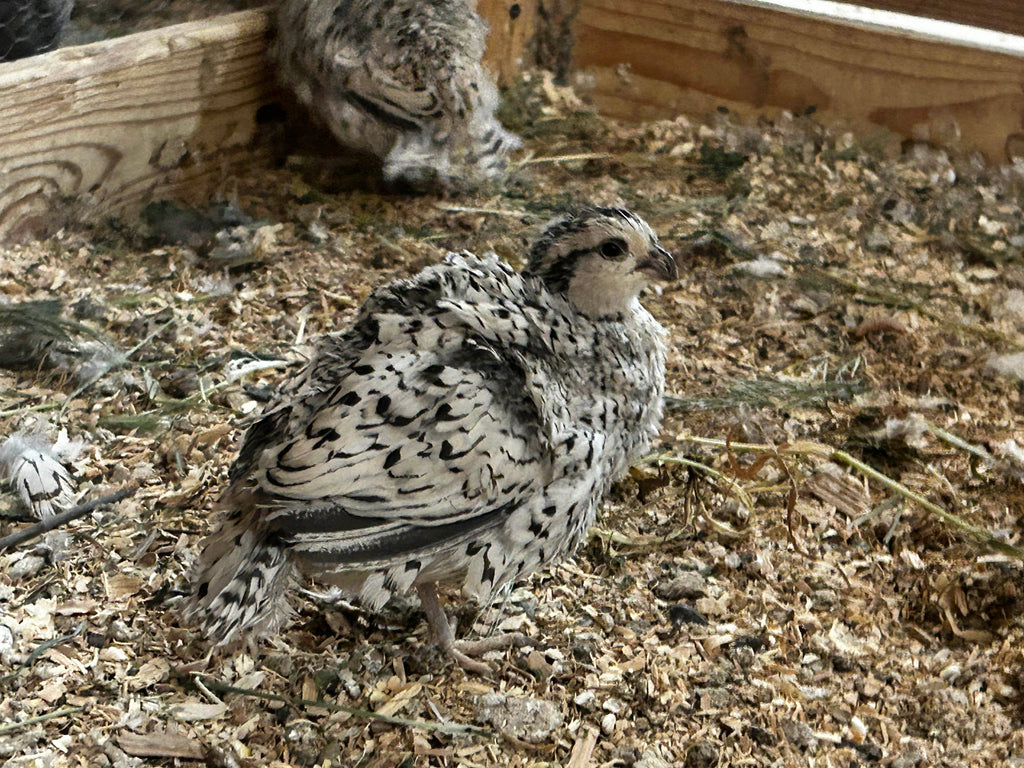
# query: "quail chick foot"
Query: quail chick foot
462,651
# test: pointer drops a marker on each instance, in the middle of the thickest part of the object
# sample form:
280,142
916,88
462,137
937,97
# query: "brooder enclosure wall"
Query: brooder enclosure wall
94,130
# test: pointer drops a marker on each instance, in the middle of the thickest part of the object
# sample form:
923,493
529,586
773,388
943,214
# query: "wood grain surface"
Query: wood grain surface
659,58
112,124
513,24
1001,15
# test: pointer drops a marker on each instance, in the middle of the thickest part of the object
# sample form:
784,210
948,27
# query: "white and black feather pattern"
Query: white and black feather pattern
464,428
401,80
40,481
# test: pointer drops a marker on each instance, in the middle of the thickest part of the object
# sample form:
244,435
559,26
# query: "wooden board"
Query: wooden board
112,123
513,24
1001,15
659,58
527,34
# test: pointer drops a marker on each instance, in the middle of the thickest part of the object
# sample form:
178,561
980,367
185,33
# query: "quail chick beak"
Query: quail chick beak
659,264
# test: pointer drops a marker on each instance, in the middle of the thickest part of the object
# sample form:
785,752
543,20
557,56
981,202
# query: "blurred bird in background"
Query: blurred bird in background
401,80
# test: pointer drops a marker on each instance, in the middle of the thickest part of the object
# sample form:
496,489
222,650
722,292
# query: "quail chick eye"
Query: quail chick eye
613,249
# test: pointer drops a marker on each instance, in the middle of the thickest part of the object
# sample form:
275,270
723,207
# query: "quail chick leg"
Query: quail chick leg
462,650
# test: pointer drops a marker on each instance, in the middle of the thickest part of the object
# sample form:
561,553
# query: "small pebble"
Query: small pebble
625,755
651,759
352,688
688,585
608,724
7,640
586,699
951,673
703,754
858,730
798,733
305,741
281,663
908,759
538,665
522,717
614,706
119,631
26,567
55,544
877,240
761,267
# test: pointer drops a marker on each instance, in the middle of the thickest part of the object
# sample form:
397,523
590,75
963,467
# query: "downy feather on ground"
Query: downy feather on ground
33,467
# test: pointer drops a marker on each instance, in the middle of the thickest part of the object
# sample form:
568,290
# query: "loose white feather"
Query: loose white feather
41,482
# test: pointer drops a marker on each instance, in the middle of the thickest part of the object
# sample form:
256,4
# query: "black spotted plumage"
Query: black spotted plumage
462,430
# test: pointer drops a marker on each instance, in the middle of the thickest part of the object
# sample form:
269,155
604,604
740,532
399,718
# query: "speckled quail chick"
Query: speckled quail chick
401,80
463,430
28,27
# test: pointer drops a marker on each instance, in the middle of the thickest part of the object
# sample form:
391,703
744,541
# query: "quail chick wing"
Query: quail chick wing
410,437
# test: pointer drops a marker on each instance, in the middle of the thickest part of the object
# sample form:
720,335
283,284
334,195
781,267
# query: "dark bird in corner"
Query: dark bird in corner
28,27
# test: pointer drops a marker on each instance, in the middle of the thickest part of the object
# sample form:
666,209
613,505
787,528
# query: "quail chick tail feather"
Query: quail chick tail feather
462,430
245,574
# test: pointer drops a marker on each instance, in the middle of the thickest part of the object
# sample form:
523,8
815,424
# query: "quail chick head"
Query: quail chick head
401,80
462,430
